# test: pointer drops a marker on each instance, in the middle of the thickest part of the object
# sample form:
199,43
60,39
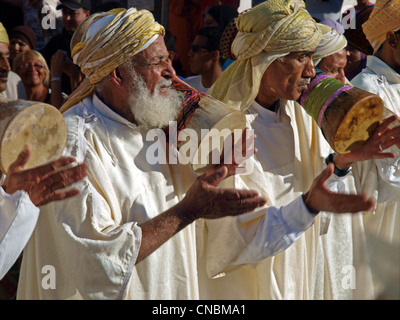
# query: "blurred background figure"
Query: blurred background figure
220,16
22,38
74,12
35,74
205,58
330,55
358,46
170,43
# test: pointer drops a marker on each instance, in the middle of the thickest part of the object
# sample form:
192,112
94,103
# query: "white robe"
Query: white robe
319,265
18,217
91,240
380,236
85,247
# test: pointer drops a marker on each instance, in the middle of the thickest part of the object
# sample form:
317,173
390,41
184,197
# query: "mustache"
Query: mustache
164,83
4,74
304,82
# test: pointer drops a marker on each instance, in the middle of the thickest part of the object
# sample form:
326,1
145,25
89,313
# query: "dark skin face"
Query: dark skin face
286,78
334,65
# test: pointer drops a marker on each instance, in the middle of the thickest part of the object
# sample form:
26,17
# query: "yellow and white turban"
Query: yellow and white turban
268,31
331,42
4,35
384,17
105,41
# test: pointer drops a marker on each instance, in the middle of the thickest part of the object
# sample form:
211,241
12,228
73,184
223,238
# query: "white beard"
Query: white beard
154,110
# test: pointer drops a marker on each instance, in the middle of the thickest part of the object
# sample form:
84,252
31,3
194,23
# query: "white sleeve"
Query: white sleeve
278,229
18,217
254,236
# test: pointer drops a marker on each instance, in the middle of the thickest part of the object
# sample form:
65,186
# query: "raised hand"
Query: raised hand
205,200
43,184
319,198
383,138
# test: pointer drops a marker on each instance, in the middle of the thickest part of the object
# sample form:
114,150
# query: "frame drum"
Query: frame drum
38,125
210,121
346,115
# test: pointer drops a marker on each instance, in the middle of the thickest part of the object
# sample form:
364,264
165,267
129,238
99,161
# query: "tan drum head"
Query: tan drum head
38,125
359,124
212,122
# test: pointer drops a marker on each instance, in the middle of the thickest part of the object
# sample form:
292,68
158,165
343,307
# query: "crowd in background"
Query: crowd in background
41,67
197,55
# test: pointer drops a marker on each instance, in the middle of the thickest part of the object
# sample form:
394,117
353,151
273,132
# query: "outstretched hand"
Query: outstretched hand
319,198
205,200
383,138
43,184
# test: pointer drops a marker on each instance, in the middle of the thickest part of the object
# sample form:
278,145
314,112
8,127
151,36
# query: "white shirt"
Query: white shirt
15,87
380,179
18,218
92,240
195,82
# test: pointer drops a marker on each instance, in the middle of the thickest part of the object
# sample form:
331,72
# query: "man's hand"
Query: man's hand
319,198
205,200
43,183
384,137
237,153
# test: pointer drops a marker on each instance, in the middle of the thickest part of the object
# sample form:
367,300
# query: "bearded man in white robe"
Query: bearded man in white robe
129,233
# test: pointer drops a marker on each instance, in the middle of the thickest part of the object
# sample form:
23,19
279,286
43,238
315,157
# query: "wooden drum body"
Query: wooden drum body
38,125
210,120
347,115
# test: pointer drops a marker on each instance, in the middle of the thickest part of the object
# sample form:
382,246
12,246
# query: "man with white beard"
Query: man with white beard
129,234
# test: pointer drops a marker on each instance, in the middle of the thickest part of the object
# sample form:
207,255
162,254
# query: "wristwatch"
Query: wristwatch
338,172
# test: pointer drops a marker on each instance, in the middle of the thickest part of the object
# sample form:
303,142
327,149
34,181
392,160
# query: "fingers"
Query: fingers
22,159
53,166
215,175
348,203
49,188
325,174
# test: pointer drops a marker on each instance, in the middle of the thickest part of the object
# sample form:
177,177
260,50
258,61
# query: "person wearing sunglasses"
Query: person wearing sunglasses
205,58
31,66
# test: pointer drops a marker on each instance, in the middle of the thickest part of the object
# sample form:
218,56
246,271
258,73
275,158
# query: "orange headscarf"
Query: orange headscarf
384,18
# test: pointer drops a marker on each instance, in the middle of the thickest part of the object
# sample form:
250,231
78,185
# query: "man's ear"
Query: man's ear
216,55
115,77
392,40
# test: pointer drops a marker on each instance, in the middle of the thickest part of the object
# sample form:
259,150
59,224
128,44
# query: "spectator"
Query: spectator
35,74
74,12
205,58
358,46
220,16
22,38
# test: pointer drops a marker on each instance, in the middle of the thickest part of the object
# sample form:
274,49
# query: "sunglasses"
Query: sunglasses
196,48
25,66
